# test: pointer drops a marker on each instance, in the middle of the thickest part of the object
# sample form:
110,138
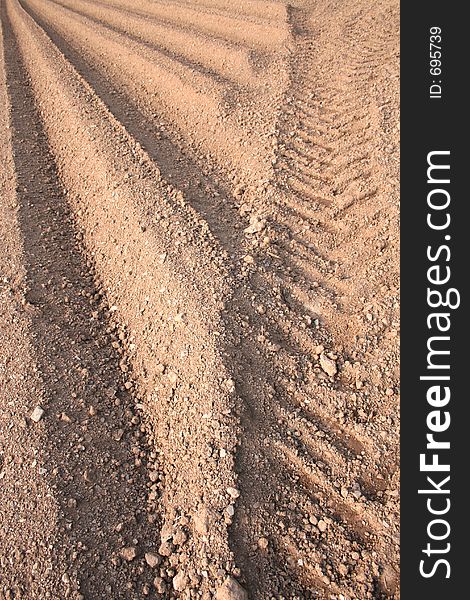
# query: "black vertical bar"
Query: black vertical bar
434,119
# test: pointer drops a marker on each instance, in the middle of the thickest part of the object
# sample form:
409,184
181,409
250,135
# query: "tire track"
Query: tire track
329,171
327,161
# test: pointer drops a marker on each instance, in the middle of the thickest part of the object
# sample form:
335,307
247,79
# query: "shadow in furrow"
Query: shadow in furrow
95,455
178,168
140,39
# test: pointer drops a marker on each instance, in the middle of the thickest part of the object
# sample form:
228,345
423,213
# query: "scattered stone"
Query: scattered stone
118,435
172,378
129,553
233,492
322,526
152,559
388,581
174,559
180,582
88,476
179,537
256,225
328,365
166,532
231,590
166,549
263,543
37,414
356,491
159,585
201,521
153,476
229,385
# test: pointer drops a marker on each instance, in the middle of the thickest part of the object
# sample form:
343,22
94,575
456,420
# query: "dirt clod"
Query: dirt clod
231,590
129,553
180,582
152,559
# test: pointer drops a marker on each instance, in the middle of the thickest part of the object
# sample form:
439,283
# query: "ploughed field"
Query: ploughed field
199,299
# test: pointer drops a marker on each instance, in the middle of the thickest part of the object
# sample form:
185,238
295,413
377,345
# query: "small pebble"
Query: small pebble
328,365
172,377
166,549
179,537
322,526
37,414
159,585
263,543
128,553
233,492
180,582
231,590
153,560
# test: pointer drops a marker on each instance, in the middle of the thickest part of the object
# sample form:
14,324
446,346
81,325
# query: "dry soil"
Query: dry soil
199,307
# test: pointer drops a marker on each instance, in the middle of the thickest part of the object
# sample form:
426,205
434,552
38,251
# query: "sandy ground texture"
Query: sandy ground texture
199,299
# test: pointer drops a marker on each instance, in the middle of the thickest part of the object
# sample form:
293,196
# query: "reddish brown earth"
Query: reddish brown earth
199,299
